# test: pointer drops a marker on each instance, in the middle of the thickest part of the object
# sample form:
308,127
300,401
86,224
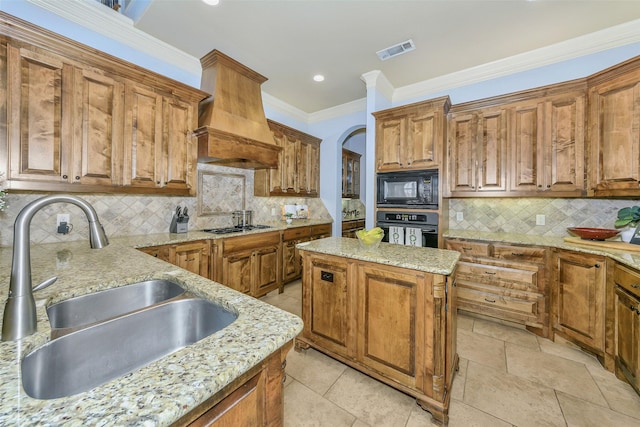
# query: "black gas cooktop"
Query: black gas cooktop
226,230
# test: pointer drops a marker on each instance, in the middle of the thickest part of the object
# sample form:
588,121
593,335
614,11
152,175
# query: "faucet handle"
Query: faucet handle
50,281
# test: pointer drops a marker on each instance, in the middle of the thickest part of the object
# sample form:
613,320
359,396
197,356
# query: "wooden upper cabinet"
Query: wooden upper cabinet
78,120
614,121
411,136
298,171
477,151
524,144
97,142
350,174
40,91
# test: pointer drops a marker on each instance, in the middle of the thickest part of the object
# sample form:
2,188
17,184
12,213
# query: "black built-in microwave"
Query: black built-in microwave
411,189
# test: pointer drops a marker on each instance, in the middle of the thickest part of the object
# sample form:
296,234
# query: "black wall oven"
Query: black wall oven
411,189
409,228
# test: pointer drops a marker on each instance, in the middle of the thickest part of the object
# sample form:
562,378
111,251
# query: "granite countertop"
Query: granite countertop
145,240
631,259
430,260
163,391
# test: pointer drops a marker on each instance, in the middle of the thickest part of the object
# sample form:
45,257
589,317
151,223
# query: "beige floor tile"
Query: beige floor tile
284,302
519,336
360,423
370,400
510,398
563,348
579,413
554,372
305,408
457,388
481,349
463,415
465,322
314,369
620,395
293,289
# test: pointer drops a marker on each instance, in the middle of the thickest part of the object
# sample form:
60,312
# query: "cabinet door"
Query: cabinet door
564,120
290,165
97,147
291,267
143,138
237,271
392,321
526,147
178,146
266,265
40,91
327,304
424,140
492,155
313,170
389,136
578,309
462,153
614,160
193,256
160,252
628,336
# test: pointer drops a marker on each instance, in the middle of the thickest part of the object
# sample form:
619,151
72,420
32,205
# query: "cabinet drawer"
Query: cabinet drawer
520,253
504,277
296,233
469,248
485,302
251,242
320,229
627,279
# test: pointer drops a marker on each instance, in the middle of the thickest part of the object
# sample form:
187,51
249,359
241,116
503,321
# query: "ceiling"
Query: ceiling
290,41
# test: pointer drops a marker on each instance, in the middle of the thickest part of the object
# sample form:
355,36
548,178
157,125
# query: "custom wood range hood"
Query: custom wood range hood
233,129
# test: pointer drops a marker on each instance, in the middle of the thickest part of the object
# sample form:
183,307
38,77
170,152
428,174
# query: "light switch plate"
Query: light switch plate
459,216
63,218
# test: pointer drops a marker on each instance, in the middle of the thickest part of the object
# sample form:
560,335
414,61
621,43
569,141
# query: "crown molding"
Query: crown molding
116,26
598,41
352,107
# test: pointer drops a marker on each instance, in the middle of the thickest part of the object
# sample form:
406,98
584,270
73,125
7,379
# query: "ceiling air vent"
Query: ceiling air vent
396,50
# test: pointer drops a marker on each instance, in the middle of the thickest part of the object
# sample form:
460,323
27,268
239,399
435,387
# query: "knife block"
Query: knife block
179,225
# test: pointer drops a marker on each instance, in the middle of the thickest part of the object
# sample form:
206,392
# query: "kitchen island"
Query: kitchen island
389,312
174,389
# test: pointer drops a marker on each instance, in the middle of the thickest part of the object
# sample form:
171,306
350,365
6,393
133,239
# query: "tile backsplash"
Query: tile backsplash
518,215
223,190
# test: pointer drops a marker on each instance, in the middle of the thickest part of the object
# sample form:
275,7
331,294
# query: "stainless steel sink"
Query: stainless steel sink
97,354
87,309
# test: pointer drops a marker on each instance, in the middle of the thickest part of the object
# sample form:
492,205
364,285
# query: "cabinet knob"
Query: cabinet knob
548,186
65,176
635,286
597,266
77,178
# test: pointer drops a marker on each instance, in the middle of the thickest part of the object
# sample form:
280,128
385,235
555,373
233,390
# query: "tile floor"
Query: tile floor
508,377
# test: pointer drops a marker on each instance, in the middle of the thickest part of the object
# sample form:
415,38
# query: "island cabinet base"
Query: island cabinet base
394,324
253,399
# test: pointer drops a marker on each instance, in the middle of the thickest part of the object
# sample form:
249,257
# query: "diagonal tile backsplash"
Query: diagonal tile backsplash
127,214
518,215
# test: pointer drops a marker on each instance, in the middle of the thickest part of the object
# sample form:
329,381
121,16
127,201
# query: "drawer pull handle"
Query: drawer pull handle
190,259
467,249
517,254
490,273
635,286
489,300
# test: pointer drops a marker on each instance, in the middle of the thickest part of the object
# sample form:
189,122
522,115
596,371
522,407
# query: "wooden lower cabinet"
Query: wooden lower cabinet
251,263
627,325
579,299
349,228
256,399
394,324
504,281
291,261
192,256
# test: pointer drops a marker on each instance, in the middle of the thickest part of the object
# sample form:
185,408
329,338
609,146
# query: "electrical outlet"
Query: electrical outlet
540,219
63,218
273,211
459,216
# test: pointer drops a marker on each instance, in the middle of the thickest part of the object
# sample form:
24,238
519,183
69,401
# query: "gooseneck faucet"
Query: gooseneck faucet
19,318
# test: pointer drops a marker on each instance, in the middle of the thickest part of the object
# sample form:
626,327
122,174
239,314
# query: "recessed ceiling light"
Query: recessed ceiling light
318,78
211,2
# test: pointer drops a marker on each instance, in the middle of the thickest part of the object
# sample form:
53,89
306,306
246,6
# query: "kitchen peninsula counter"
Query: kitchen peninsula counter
389,312
165,390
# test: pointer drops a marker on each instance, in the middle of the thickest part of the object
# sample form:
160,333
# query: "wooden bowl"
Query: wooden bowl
586,233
